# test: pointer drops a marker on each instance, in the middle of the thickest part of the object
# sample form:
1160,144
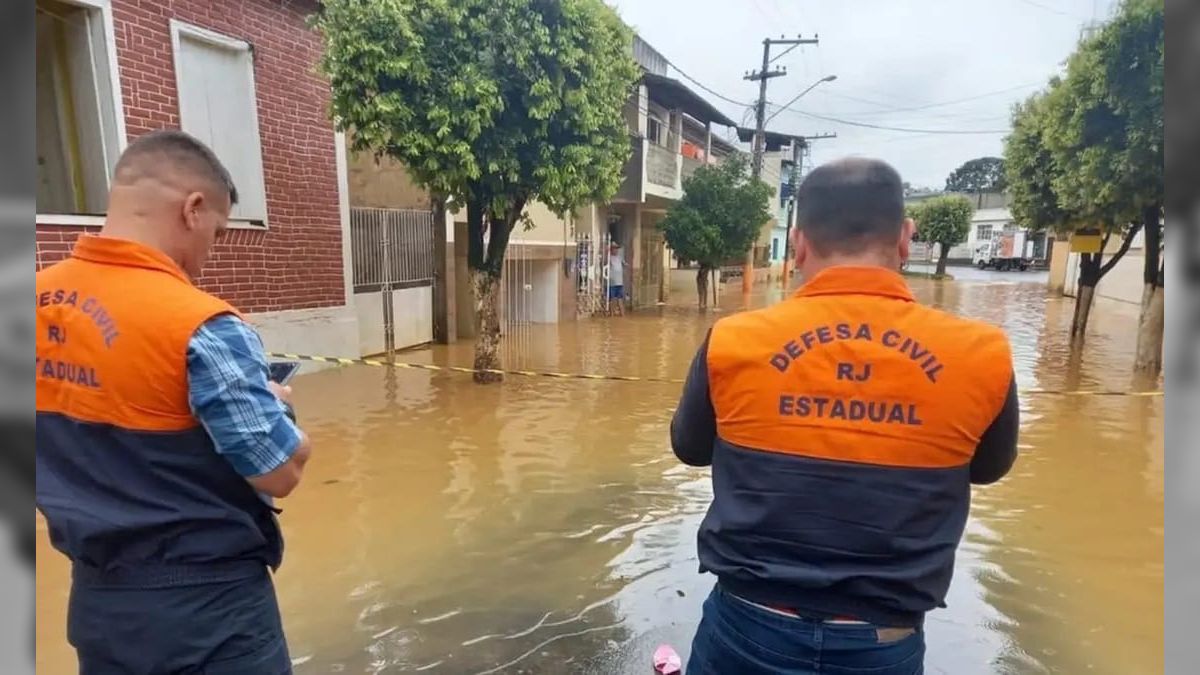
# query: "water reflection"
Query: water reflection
543,526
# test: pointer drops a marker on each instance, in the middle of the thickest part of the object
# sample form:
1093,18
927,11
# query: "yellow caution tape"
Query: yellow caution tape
617,378
472,371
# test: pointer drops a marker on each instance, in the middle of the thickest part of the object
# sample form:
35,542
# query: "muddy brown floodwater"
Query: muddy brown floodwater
543,526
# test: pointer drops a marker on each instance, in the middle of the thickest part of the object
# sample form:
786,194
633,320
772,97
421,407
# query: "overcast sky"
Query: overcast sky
889,56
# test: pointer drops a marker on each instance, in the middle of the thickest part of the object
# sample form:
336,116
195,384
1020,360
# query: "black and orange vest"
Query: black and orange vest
127,478
847,417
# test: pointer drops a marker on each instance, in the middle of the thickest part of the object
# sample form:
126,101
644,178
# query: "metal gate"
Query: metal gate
650,289
391,249
591,263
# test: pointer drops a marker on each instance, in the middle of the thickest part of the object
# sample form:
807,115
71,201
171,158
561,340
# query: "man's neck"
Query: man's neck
812,268
138,228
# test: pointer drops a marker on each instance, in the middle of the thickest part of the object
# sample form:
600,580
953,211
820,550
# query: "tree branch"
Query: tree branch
1125,243
502,228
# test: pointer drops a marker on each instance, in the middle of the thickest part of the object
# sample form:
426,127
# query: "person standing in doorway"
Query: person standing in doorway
845,427
160,440
616,280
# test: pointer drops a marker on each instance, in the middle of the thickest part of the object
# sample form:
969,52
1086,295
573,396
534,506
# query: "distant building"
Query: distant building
778,246
992,217
671,133
776,172
556,270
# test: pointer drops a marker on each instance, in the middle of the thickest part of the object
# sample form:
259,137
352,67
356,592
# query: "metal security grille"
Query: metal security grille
649,291
391,248
591,264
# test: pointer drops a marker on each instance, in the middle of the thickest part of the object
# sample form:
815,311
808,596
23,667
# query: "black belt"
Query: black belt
166,576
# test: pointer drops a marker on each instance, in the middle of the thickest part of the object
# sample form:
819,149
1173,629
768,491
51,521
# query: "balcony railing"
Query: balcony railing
653,170
662,167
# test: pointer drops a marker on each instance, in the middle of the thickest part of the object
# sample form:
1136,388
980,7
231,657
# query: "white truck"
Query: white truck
1006,251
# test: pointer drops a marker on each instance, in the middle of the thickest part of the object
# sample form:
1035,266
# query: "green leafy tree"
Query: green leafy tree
1030,168
1089,152
490,104
976,176
1127,69
719,218
945,221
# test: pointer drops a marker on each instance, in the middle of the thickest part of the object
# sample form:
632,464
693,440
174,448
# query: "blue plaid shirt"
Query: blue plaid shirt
227,388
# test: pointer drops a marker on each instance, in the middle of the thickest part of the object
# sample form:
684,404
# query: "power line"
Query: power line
1053,10
959,132
889,109
868,125
703,86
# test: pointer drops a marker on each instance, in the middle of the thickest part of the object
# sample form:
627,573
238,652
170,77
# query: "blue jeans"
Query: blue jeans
737,638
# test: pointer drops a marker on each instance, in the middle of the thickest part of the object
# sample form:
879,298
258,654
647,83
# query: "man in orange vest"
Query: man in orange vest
160,441
844,427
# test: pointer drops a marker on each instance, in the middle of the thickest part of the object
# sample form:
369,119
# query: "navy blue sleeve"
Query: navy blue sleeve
694,426
997,449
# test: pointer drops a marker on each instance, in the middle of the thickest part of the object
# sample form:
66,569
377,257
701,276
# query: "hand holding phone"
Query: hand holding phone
280,373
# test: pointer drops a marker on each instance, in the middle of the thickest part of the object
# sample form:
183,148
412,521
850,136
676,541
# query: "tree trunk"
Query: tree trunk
702,288
1148,361
943,253
1092,269
486,288
716,287
443,276
485,262
1083,309
1150,334
1089,276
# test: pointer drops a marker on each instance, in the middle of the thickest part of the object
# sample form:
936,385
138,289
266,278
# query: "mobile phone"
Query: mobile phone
282,371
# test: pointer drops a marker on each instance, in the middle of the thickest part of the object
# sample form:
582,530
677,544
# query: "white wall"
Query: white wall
547,227
328,331
543,306
412,313
531,290
1123,282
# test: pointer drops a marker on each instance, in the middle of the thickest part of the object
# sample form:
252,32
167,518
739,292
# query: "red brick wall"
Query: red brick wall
54,243
297,262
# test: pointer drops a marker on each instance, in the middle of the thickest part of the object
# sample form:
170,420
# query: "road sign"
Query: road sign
1086,240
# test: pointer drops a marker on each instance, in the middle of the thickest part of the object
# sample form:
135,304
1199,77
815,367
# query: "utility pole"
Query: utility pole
800,149
760,122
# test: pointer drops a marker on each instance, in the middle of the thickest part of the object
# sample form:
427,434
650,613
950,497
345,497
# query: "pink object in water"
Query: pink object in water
666,661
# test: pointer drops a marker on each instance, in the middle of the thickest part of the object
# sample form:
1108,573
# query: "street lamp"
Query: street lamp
827,78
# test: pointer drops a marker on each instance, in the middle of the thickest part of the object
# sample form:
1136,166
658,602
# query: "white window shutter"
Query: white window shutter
217,105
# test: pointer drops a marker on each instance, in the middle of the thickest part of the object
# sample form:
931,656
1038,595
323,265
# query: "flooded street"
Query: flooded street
544,526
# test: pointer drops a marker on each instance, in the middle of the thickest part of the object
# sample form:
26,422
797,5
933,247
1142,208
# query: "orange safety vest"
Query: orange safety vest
127,476
847,417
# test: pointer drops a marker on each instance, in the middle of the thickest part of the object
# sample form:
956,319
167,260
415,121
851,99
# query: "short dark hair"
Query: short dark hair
178,148
850,204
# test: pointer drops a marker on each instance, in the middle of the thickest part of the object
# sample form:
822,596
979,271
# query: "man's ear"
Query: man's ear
193,204
908,230
800,245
